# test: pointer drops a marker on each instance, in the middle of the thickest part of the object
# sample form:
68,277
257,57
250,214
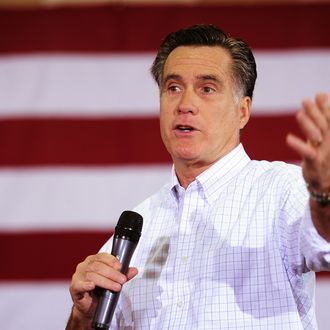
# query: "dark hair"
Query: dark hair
243,67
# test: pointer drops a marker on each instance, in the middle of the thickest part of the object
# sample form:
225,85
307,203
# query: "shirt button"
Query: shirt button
184,259
180,304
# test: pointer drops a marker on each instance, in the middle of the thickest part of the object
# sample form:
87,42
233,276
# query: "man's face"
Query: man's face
199,118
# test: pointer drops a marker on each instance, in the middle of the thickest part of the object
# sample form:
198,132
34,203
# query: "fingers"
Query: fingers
312,120
95,270
132,272
322,101
303,149
79,288
103,270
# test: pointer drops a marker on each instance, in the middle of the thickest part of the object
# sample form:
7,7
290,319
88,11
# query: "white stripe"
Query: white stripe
79,198
120,85
285,78
322,294
48,305
94,85
37,305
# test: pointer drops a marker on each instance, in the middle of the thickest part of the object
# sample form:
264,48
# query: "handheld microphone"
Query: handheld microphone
126,236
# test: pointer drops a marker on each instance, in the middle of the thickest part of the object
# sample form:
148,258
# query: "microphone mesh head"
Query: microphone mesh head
129,226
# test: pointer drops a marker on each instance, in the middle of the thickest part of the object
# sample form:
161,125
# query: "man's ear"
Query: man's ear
245,110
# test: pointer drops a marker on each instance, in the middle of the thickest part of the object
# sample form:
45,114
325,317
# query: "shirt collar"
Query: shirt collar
216,177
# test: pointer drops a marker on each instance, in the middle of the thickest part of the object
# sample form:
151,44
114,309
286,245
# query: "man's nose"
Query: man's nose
188,102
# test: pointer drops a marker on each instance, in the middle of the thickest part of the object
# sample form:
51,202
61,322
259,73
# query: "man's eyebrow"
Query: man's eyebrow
171,76
210,77
203,77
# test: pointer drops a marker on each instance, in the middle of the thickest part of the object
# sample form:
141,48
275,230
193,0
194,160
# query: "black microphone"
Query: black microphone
126,236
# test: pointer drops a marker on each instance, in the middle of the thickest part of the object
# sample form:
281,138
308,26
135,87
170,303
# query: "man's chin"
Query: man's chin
186,158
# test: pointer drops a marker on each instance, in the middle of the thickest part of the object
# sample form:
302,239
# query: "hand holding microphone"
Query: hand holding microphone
126,237
104,271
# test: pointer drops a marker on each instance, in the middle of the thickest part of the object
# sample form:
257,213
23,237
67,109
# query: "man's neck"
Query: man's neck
187,173
188,170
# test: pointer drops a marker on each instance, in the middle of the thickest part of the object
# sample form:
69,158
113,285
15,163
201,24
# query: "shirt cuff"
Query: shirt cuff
314,247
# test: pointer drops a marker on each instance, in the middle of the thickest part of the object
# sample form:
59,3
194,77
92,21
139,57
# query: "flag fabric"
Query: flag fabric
79,131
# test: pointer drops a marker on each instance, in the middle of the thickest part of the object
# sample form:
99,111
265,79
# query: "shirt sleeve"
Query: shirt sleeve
314,247
303,248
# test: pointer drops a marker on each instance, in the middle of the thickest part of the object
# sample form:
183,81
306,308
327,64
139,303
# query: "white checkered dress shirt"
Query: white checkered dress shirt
234,250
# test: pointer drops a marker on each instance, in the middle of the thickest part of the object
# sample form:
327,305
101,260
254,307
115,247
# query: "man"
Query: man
230,243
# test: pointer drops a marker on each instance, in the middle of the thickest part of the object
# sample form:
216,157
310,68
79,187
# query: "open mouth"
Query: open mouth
184,128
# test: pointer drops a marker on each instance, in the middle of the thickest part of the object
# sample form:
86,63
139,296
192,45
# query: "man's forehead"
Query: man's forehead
208,56
202,62
190,50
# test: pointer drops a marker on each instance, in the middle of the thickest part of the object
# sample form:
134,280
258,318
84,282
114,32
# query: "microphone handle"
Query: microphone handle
123,250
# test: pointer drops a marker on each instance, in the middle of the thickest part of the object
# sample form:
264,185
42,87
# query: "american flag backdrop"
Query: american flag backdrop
79,132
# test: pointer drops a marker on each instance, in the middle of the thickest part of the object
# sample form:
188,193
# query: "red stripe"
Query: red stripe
114,27
49,255
264,137
80,142
46,255
119,141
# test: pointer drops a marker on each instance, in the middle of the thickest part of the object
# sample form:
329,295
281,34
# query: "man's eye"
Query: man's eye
174,88
208,89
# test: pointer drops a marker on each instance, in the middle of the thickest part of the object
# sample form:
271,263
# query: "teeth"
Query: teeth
184,128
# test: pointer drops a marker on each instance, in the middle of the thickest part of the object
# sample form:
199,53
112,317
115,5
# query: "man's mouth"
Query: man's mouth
184,128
